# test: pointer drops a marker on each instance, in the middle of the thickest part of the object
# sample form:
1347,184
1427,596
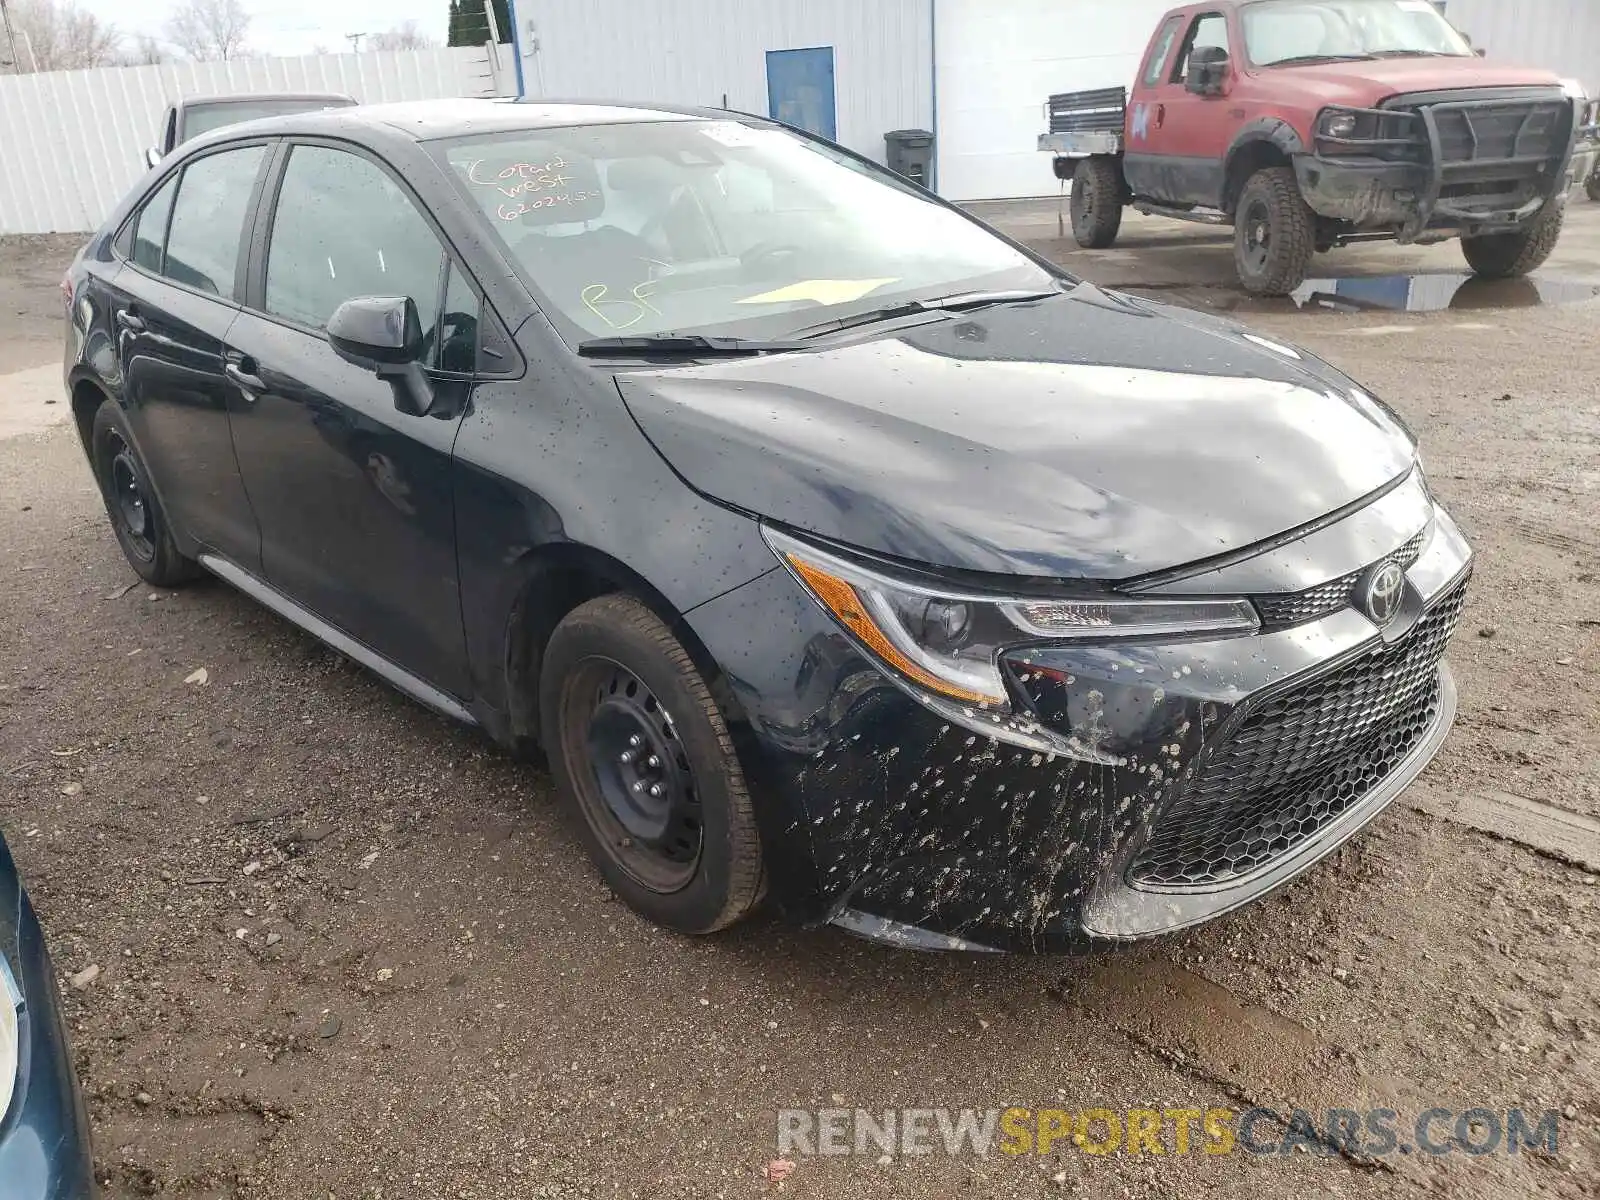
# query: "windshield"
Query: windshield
718,227
203,118
1308,30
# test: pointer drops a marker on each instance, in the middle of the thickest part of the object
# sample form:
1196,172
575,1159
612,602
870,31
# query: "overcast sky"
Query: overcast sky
289,26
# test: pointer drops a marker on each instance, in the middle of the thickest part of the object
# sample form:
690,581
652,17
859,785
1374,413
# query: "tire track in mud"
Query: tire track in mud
1545,829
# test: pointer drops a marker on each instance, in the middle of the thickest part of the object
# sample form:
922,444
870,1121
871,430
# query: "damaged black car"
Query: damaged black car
832,549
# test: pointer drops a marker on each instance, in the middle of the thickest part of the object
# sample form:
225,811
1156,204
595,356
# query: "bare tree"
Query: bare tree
57,35
146,51
405,36
209,29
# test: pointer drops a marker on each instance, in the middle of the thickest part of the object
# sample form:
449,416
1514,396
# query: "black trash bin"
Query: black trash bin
910,153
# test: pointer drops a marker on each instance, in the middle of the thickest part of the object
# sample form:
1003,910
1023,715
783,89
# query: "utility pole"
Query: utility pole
11,38
355,41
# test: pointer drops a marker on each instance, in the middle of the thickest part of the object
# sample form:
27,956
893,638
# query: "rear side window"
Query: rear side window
208,219
150,227
1162,52
343,228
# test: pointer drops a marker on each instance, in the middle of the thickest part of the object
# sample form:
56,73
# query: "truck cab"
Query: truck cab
1309,124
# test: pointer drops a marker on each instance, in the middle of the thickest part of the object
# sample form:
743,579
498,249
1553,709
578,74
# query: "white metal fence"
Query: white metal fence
72,142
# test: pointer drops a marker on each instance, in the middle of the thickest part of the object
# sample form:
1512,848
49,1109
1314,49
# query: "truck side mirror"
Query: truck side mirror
1208,70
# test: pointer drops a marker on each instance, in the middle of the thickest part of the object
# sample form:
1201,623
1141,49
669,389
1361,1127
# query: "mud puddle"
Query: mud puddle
1431,291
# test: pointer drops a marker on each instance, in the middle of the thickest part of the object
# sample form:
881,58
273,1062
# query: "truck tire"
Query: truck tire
1592,185
1096,202
1274,233
1507,255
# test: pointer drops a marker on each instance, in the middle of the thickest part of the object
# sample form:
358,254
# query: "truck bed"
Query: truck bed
1084,123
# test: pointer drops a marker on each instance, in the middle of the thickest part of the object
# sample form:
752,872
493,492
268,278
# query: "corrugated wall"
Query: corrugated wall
73,142
698,53
1563,35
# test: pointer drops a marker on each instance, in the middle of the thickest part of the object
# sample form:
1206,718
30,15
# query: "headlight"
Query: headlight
10,1061
1339,123
943,645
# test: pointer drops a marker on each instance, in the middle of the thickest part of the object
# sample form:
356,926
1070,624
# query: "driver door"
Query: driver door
1181,157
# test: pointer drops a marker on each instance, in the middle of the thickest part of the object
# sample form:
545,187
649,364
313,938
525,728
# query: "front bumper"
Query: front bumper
892,822
44,1138
1369,193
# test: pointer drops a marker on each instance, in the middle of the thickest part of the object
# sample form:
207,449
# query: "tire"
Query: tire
1096,202
136,514
1274,233
691,860
1508,255
1592,185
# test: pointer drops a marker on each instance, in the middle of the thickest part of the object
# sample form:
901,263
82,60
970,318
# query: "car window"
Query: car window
208,219
1209,30
1162,51
150,227
203,118
458,327
344,228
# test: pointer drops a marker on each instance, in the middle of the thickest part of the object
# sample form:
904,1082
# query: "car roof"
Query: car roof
425,120
258,97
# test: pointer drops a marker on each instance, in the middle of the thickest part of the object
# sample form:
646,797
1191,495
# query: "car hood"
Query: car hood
1084,436
1365,83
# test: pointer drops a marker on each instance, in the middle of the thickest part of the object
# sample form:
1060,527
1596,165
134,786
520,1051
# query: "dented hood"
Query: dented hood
1081,436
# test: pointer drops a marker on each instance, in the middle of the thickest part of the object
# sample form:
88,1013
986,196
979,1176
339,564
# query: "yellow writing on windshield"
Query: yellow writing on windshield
822,291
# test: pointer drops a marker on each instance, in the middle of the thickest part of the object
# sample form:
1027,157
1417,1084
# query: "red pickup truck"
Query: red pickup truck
1310,124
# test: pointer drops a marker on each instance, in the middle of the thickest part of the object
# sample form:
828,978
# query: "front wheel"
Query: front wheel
640,749
1507,255
1274,233
1096,202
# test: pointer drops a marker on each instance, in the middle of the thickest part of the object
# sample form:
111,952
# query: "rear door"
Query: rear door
354,496
173,305
1178,141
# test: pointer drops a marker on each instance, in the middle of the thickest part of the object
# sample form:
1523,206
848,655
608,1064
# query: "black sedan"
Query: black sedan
832,547
44,1136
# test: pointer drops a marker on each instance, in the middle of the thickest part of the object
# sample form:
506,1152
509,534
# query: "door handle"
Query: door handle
247,382
130,319
1161,115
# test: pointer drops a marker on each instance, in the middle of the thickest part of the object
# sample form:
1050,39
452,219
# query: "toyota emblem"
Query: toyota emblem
1385,586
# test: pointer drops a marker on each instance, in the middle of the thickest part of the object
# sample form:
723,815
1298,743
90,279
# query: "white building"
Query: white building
977,72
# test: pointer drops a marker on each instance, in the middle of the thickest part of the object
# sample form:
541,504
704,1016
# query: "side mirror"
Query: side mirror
152,157
383,334
1482,51
1208,70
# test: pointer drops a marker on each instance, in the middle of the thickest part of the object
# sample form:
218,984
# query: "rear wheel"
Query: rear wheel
640,749
1096,202
1506,255
136,516
1592,185
1274,233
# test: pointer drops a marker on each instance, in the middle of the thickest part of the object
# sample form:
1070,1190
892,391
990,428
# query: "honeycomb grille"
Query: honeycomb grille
1296,608
1300,760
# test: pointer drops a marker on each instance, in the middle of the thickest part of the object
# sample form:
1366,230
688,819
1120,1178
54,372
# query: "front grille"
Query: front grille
1296,608
1496,132
1300,760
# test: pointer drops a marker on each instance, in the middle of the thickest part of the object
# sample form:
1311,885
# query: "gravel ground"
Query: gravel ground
345,949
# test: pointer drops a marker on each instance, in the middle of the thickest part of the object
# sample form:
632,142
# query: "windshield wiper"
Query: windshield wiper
1413,54
960,302
691,345
1320,58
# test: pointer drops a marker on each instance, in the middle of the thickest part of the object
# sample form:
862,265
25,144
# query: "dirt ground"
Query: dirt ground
347,950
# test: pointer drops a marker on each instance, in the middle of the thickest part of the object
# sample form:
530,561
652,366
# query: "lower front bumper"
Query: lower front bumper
1372,194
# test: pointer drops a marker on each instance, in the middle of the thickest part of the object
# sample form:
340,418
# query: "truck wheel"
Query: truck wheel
1506,255
1096,202
1592,186
1274,233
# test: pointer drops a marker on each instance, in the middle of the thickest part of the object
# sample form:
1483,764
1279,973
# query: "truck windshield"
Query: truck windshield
718,227
1281,32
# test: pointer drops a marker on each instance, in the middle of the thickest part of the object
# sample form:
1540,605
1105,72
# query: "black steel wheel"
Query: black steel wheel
1274,233
132,504
641,751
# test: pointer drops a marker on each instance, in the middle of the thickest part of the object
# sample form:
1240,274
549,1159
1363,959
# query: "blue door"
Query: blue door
800,89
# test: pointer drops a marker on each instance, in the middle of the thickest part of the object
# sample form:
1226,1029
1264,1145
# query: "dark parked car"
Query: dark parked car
193,115
831,546
44,1136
